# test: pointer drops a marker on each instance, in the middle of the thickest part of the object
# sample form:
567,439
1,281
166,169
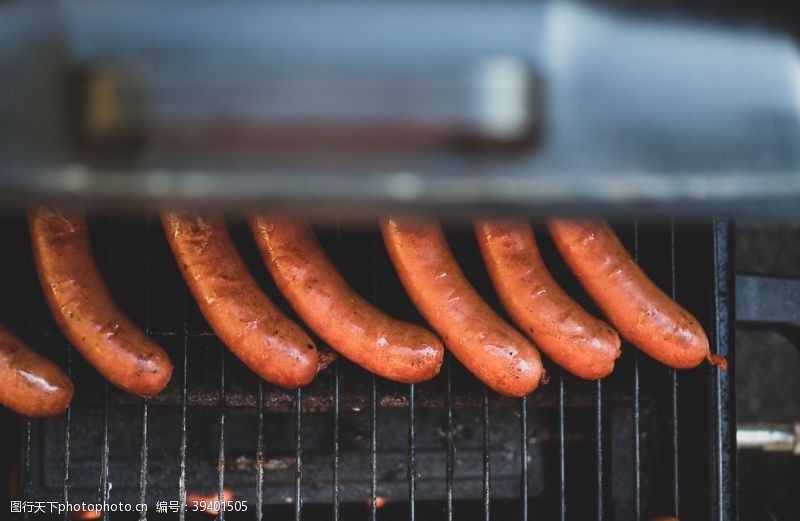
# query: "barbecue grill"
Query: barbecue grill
670,120
646,441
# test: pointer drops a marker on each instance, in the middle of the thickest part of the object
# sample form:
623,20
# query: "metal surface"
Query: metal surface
439,449
771,437
768,301
484,108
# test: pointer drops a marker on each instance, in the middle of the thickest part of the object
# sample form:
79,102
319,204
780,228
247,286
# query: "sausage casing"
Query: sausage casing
84,309
30,384
571,337
480,339
319,294
239,312
642,313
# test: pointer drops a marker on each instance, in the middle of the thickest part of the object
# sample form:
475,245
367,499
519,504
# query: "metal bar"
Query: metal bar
487,457
373,402
599,447
412,457
769,301
451,454
260,452
523,424
298,473
221,457
336,441
769,437
676,493
67,436
184,387
723,420
143,453
26,477
338,254
104,483
105,489
562,449
637,420
373,447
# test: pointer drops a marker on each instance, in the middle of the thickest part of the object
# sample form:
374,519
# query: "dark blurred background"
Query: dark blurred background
767,383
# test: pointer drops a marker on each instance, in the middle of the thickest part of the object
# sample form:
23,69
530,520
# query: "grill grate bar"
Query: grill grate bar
33,284
674,377
260,452
487,456
67,436
373,447
104,484
298,473
523,424
562,448
637,421
184,389
599,447
724,443
412,457
451,454
26,478
336,447
373,403
221,460
146,289
105,490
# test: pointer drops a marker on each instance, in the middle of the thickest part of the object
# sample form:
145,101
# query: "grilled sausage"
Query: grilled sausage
242,316
489,347
84,309
581,344
357,330
30,384
642,313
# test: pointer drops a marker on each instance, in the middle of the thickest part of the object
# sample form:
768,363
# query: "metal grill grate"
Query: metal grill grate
646,441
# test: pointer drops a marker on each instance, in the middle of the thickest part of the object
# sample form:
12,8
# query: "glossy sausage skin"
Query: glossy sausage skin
84,309
642,313
30,384
488,346
357,330
239,312
571,337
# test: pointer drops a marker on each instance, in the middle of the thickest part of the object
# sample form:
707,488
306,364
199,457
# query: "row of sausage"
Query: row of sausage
278,350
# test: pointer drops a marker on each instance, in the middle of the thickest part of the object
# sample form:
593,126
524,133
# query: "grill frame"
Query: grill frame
721,433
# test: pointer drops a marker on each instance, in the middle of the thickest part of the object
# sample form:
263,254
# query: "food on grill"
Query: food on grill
360,332
578,342
30,384
242,316
641,312
84,309
488,346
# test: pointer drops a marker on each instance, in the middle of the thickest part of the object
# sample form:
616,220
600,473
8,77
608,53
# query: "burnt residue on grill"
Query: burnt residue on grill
646,441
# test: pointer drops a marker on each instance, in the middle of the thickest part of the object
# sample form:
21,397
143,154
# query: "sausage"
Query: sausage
488,346
642,313
357,330
84,309
571,337
239,312
30,384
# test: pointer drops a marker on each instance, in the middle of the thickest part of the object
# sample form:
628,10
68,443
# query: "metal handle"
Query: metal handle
769,437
